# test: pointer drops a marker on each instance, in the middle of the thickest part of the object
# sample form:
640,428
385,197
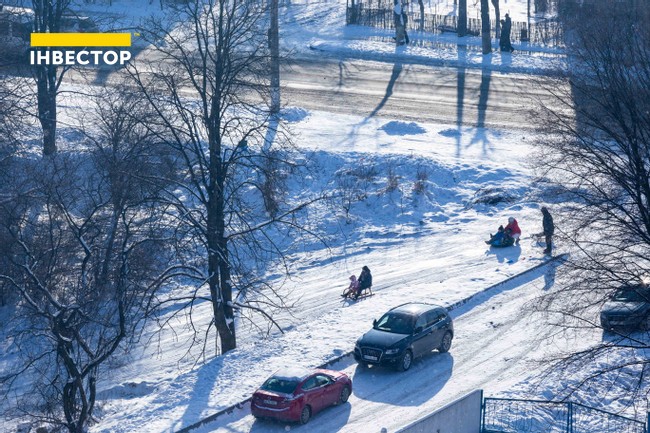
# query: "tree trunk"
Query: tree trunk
421,3
485,27
274,46
462,18
227,333
46,101
218,264
497,19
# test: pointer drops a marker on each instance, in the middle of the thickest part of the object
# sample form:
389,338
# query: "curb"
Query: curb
561,258
322,47
230,409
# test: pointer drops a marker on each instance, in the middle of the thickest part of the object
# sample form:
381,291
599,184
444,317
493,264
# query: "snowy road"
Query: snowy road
461,96
494,347
430,94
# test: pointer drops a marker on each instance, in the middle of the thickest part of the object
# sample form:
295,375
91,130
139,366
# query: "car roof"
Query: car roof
292,373
16,14
16,9
634,286
415,308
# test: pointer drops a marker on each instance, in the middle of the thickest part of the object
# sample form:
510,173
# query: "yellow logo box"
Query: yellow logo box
81,39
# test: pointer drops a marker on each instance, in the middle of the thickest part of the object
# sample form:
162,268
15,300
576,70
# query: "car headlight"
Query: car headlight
392,351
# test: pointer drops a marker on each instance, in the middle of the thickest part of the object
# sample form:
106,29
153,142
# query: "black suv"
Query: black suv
629,307
404,333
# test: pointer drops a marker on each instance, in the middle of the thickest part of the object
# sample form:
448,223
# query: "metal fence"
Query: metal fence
502,415
545,33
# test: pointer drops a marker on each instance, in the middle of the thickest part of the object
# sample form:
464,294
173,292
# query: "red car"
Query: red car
295,394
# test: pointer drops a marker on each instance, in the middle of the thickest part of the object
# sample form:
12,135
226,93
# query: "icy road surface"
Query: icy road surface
495,347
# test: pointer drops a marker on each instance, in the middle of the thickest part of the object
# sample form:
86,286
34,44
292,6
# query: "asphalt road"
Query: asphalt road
411,92
458,96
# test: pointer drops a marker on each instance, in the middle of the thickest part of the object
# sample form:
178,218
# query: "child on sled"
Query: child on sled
352,288
498,238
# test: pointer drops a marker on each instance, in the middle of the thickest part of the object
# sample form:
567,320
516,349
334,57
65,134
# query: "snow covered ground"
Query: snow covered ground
420,246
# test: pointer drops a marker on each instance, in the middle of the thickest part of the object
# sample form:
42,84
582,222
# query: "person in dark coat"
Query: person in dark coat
502,36
549,229
505,32
365,281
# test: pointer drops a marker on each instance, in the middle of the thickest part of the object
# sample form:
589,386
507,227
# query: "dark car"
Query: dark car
295,394
404,333
629,307
78,24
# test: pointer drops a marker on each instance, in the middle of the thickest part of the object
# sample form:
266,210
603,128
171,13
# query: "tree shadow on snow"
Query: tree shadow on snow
199,398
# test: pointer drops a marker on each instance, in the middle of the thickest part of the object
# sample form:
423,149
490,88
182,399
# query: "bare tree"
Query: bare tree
47,19
497,18
462,17
485,27
87,252
274,46
421,4
597,157
11,116
217,51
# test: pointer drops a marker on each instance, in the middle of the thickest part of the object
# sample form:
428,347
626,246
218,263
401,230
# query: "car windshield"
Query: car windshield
279,384
395,322
629,294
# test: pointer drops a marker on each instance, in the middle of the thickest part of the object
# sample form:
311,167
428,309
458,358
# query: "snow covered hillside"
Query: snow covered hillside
417,200
419,245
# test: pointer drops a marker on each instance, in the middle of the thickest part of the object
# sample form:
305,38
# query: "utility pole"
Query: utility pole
274,47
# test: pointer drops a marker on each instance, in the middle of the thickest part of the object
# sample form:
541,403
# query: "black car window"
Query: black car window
86,25
310,384
397,323
421,322
433,317
277,384
632,294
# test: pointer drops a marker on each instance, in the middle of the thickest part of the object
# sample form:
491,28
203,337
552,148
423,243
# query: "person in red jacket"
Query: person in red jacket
513,230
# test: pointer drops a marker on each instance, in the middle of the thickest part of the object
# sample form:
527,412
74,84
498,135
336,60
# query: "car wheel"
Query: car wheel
407,360
345,394
445,344
305,414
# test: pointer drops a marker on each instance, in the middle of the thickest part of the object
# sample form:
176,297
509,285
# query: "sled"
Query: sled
365,293
539,240
506,243
538,237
